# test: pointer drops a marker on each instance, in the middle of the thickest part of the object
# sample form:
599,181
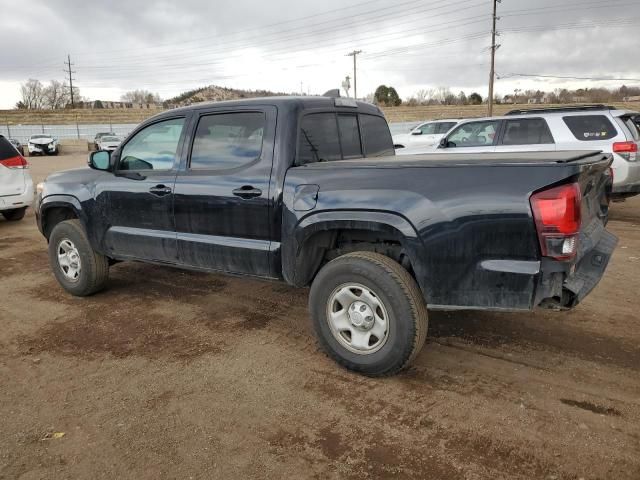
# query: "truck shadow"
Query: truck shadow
533,331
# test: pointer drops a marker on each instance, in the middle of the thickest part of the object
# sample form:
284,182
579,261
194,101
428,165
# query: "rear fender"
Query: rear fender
303,249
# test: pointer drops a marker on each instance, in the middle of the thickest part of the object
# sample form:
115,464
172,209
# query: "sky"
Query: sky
291,46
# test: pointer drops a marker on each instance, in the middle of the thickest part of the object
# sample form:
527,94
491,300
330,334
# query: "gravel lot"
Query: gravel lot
173,374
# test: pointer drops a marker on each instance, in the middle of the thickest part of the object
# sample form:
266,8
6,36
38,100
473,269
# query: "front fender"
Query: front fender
49,202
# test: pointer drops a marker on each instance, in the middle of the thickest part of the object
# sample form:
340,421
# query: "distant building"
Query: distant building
634,98
108,104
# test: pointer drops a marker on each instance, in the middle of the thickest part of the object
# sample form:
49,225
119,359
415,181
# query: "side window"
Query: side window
153,148
473,134
590,127
429,128
319,141
350,136
444,127
526,131
227,140
376,136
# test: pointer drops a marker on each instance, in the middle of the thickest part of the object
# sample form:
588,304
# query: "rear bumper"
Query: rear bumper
562,286
625,190
25,199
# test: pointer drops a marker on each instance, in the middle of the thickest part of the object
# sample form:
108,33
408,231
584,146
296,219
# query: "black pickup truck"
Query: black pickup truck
308,190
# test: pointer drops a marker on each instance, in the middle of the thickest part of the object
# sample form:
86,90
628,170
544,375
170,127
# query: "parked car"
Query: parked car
43,144
321,200
592,127
109,143
17,145
16,185
423,137
96,139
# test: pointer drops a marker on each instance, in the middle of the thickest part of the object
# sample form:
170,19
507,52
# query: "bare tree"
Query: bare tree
56,95
32,94
141,97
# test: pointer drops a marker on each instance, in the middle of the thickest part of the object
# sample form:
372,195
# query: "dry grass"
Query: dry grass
105,116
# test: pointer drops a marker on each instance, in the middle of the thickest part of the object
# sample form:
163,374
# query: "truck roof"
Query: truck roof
300,102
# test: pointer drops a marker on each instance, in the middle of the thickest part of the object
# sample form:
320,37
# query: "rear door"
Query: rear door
525,134
12,178
222,200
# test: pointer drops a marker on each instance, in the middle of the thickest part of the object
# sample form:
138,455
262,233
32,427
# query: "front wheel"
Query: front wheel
368,313
78,268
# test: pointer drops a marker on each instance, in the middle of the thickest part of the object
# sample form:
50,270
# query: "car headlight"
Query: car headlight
39,188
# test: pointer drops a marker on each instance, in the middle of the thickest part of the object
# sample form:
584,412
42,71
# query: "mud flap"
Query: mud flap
590,269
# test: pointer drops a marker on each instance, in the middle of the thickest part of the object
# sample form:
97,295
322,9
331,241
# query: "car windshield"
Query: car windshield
39,136
110,139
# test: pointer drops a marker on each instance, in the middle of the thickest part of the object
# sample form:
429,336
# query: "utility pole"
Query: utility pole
354,54
69,71
494,47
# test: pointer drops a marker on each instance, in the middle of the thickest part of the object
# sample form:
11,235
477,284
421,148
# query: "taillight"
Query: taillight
15,162
627,150
556,212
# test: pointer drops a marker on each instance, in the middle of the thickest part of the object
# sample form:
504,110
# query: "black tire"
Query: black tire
15,214
398,293
94,271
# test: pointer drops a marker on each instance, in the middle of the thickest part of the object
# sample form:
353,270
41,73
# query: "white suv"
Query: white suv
587,127
422,138
16,185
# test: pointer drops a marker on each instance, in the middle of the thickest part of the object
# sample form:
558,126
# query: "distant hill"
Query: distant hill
213,93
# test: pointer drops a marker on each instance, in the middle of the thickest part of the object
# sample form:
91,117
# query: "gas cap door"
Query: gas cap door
305,197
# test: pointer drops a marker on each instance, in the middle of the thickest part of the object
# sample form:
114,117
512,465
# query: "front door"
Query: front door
222,203
137,200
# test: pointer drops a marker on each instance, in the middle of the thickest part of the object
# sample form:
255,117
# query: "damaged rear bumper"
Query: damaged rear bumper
563,286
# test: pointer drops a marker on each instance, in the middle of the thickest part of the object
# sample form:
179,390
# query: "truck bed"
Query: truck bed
467,159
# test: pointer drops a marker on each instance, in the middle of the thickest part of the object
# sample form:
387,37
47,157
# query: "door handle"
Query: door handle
247,191
160,190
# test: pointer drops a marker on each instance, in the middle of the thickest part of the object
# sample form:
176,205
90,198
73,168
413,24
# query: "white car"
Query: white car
109,143
581,127
16,185
43,144
423,138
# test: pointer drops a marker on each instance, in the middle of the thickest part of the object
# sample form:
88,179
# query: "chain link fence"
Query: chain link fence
88,132
61,132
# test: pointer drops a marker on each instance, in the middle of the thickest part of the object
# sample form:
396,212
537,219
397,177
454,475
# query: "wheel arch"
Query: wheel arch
58,208
320,237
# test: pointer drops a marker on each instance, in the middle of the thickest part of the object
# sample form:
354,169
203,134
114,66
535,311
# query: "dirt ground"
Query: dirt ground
173,374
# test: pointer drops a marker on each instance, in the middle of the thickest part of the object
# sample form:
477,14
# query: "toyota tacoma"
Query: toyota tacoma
308,191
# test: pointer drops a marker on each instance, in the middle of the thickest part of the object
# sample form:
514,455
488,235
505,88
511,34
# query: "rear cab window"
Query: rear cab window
330,136
589,128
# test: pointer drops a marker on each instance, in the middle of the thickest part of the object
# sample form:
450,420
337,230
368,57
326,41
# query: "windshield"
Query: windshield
110,139
40,136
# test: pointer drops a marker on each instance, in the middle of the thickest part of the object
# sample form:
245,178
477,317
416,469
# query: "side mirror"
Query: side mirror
100,160
416,132
444,143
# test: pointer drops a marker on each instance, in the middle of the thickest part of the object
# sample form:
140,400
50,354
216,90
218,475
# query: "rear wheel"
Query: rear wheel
78,268
368,313
15,214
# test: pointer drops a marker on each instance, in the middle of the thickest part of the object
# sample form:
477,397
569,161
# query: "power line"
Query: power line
568,77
